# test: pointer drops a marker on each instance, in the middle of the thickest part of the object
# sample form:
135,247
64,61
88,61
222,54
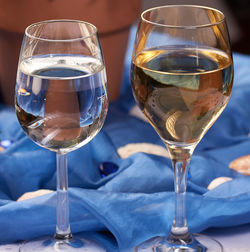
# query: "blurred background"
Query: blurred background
237,13
113,19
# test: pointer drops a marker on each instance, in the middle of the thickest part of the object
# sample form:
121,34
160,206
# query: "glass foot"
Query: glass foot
199,243
49,244
10,247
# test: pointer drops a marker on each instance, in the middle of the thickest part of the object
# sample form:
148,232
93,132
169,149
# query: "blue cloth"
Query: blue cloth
137,201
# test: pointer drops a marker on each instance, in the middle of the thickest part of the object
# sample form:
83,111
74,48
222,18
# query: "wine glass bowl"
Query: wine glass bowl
61,103
181,78
61,98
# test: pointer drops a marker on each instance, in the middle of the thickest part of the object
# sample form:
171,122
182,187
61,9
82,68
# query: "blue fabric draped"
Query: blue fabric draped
136,202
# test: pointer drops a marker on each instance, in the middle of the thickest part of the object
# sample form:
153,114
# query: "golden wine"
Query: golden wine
182,91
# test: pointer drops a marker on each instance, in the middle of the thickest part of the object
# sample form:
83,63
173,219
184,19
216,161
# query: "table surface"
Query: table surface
233,239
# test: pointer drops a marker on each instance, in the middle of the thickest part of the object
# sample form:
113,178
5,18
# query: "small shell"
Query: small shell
241,164
30,195
218,181
131,149
178,125
171,122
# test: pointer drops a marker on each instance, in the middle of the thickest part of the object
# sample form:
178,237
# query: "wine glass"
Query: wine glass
181,77
61,103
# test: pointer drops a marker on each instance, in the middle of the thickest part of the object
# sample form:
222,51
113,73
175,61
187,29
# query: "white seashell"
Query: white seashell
218,181
241,165
30,195
148,148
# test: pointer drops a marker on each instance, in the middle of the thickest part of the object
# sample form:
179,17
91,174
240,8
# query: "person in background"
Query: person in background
113,19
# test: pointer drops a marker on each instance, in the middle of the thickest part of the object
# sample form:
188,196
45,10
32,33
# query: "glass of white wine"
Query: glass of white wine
181,77
61,103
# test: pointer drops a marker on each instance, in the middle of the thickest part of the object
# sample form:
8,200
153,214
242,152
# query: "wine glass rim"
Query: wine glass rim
183,26
60,21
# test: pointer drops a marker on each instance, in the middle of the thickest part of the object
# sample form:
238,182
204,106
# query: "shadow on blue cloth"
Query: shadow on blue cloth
137,202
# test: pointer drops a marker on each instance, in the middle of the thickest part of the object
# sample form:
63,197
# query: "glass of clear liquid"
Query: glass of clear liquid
61,103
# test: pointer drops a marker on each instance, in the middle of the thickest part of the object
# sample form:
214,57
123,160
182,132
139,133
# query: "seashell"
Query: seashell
131,149
241,165
218,181
30,195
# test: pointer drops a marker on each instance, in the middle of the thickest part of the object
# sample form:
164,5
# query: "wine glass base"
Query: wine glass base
200,243
49,244
11,247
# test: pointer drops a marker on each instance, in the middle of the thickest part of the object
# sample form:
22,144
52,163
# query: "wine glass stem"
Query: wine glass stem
63,227
180,159
180,173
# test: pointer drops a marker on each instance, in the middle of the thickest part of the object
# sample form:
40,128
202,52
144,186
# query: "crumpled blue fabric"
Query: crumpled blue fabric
136,202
